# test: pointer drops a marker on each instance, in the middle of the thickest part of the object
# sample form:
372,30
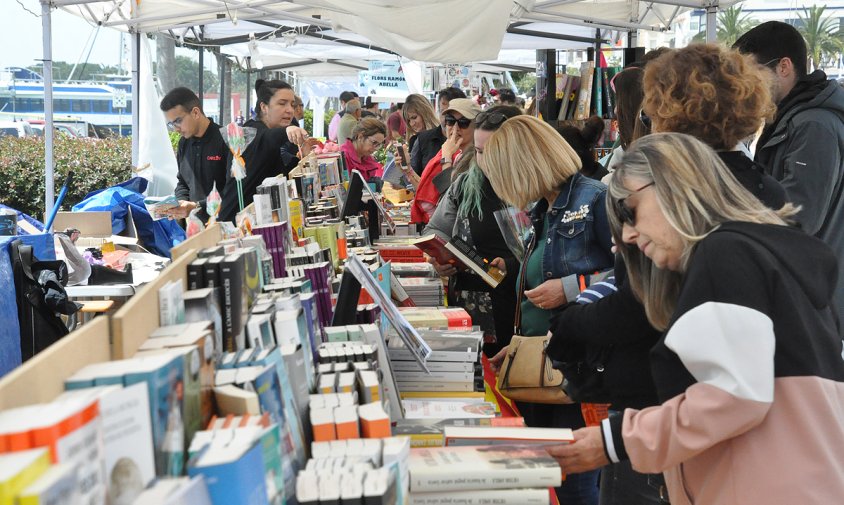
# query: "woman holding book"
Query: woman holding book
466,212
570,241
749,370
275,148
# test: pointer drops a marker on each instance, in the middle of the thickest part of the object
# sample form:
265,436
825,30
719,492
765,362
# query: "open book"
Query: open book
459,254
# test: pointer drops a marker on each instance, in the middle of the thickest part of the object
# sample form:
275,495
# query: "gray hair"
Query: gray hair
352,106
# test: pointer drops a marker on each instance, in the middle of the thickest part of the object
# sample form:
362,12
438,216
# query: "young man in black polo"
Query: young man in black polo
203,156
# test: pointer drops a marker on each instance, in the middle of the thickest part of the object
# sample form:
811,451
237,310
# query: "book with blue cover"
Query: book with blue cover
233,468
163,375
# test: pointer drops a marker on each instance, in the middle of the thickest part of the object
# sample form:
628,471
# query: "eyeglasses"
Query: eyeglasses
492,119
463,122
625,214
374,142
775,62
176,122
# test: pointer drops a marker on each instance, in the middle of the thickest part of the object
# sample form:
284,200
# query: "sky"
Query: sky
70,34
71,37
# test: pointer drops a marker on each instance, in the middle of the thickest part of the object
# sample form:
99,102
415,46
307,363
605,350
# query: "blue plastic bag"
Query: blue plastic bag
10,331
42,243
157,236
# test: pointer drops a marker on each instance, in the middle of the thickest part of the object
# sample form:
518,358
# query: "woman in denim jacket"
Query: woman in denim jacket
527,161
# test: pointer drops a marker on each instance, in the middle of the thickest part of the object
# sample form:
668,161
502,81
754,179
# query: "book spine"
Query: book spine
231,275
463,356
433,366
598,93
443,479
484,497
432,386
196,277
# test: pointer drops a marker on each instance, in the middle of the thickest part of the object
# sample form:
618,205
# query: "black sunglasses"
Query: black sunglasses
492,119
625,214
463,122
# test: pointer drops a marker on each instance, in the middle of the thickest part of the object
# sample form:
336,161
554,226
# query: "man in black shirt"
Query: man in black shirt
203,156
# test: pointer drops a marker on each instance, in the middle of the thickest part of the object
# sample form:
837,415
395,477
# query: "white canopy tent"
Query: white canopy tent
334,41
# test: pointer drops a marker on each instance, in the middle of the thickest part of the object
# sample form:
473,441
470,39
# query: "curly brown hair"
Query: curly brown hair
708,91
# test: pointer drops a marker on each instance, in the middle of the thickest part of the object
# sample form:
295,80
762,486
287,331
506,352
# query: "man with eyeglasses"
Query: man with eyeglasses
203,156
803,148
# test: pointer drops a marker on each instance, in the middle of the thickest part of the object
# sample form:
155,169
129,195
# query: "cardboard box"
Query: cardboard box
95,229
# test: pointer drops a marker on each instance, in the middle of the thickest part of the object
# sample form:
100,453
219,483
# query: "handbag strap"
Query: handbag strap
511,354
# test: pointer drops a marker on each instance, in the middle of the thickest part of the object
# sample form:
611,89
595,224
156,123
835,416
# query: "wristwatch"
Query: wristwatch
445,160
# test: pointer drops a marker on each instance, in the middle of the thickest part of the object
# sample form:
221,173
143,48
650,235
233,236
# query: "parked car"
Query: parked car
16,129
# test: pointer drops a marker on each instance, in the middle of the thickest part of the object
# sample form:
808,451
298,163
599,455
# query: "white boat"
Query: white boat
105,103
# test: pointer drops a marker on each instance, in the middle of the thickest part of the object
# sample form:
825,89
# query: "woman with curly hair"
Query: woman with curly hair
719,96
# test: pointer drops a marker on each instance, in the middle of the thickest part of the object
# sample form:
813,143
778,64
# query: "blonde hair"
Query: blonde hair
526,159
696,193
419,105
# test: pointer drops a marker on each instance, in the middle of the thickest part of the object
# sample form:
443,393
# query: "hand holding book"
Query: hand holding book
461,256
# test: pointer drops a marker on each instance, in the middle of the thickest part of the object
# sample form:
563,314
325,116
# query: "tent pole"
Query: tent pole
712,22
136,94
49,162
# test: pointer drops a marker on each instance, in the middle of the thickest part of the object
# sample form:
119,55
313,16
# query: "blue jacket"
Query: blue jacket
578,240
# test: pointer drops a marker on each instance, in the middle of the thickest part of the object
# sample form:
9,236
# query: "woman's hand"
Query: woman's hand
297,135
585,454
451,144
443,270
496,361
549,294
500,264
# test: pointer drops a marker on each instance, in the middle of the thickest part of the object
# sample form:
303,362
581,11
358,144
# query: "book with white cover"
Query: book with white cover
445,469
433,409
476,497
58,485
506,435
433,366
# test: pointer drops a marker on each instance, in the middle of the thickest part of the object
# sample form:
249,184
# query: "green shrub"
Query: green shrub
309,121
96,164
174,140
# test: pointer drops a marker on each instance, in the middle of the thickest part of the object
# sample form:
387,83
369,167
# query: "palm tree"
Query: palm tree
821,34
731,25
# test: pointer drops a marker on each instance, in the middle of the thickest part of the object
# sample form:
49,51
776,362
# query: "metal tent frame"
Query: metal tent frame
546,24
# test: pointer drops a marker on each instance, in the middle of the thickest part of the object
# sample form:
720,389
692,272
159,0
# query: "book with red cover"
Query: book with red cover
459,254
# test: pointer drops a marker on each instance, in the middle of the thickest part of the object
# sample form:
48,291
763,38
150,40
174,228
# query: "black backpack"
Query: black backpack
39,287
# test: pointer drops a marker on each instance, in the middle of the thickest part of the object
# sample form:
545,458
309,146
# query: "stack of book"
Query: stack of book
399,250
430,432
424,291
438,318
452,364
356,472
505,474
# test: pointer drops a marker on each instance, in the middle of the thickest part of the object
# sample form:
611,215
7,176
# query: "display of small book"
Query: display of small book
459,254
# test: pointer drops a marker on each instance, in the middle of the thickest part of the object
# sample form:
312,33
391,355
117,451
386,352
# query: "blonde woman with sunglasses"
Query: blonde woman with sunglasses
749,370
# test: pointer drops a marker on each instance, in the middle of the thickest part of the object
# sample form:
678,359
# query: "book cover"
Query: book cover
584,98
271,399
127,441
429,432
598,93
447,409
609,98
504,435
171,304
459,254
163,375
59,485
20,469
233,471
234,290
251,274
445,469
196,273
204,305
